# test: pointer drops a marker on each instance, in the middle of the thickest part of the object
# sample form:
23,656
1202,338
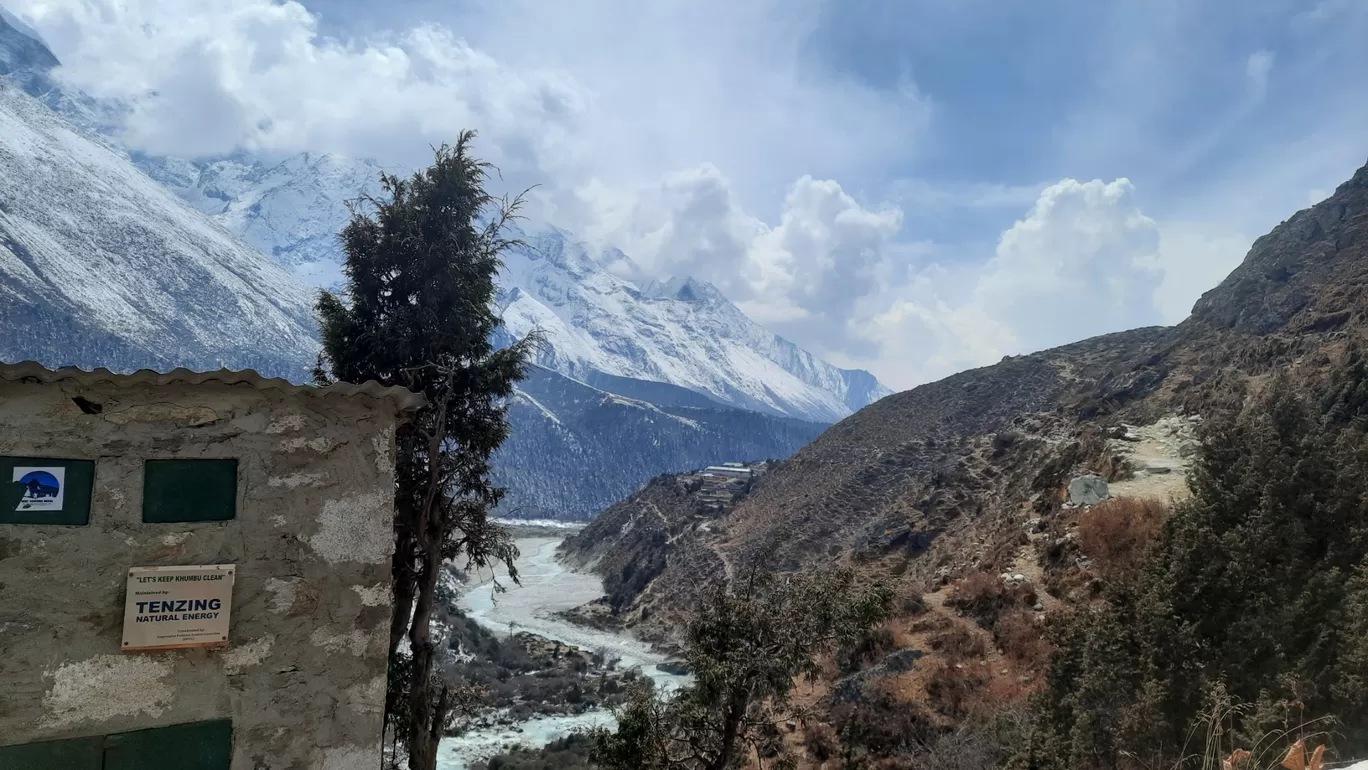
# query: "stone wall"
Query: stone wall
303,677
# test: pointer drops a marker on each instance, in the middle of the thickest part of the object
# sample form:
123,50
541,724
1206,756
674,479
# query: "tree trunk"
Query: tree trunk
428,535
402,572
731,730
403,591
423,733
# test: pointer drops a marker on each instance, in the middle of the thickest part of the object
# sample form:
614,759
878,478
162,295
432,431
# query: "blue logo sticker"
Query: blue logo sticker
44,488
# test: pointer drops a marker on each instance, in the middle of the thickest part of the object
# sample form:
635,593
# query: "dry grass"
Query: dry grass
954,689
819,740
958,644
1119,534
984,596
1022,640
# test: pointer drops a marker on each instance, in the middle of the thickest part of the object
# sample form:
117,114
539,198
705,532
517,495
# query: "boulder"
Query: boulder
1088,490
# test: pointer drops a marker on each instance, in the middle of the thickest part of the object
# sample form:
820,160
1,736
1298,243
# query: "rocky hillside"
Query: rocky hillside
574,449
1009,507
628,542
946,479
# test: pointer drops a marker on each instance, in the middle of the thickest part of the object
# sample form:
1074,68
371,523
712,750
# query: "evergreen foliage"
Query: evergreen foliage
417,312
1257,591
745,647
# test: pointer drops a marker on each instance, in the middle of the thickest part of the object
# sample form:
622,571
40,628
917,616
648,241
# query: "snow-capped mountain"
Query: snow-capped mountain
100,265
292,210
597,324
681,331
21,48
126,261
602,329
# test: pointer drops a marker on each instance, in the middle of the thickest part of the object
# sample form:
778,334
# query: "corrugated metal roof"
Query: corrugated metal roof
404,399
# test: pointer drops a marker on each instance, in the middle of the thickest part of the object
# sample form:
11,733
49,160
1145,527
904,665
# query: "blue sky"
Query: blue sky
911,186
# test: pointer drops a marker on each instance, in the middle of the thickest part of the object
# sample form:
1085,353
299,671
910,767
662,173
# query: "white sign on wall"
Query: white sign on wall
175,607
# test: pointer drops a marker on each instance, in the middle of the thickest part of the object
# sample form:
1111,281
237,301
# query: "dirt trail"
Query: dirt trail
1160,455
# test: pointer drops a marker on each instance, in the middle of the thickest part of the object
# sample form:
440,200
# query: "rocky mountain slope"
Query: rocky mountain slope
945,479
292,210
99,265
575,449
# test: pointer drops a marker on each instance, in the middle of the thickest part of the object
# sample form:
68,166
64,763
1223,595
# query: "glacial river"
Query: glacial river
547,588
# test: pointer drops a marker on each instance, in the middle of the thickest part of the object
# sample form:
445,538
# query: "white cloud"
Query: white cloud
212,77
689,223
827,253
1084,261
1257,67
562,93
802,277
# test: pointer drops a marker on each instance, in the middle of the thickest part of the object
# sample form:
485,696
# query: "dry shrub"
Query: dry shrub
1021,639
983,742
881,723
931,623
909,600
1002,692
819,739
872,645
958,643
1119,534
954,689
983,597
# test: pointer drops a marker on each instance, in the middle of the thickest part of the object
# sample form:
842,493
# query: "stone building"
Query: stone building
281,493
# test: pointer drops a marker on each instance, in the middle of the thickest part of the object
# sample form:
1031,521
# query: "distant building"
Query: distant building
732,470
196,571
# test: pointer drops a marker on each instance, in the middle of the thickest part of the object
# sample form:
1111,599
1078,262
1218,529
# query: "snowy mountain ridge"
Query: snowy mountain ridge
681,331
100,264
575,449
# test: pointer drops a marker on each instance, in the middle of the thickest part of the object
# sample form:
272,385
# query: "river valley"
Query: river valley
546,588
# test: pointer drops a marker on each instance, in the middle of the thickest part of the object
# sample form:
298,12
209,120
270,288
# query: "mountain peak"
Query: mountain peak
1291,270
683,288
21,48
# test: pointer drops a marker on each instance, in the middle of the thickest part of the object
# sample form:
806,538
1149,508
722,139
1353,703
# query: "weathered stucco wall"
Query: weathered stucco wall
304,676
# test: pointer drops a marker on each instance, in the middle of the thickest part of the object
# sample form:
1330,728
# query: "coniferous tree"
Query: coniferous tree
745,646
1257,591
417,312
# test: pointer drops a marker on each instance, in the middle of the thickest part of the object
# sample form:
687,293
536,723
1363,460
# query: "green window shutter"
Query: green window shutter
189,490
74,754
195,746
45,490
